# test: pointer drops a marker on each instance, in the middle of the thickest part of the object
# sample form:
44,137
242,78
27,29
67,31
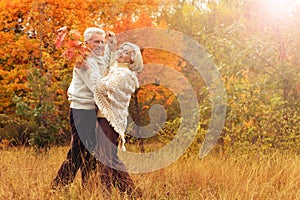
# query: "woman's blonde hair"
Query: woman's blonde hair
136,57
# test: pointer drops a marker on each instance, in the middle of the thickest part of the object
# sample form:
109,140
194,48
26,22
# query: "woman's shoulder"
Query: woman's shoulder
120,70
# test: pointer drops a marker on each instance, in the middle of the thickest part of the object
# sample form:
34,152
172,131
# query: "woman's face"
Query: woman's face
124,54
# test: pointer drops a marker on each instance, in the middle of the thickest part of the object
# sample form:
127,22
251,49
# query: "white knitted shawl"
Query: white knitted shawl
112,96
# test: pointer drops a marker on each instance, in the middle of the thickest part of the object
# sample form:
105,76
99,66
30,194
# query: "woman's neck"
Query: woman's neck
124,65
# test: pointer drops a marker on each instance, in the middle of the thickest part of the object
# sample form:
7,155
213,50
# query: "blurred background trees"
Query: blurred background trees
254,44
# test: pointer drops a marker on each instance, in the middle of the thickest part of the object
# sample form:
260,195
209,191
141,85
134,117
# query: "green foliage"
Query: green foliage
13,130
261,81
169,131
39,111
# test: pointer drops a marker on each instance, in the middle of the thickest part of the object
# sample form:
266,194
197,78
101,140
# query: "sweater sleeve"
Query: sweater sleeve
89,75
109,56
86,77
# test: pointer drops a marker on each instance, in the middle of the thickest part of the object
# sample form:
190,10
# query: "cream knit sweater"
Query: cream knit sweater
112,96
82,87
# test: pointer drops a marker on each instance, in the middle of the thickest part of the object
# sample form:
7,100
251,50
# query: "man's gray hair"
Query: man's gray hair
90,31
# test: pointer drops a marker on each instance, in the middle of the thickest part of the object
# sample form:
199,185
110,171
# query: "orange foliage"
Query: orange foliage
28,32
76,51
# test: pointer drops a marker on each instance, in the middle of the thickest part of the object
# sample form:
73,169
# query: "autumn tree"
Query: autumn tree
256,57
33,73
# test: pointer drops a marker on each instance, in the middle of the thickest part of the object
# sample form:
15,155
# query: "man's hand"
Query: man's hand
111,41
82,65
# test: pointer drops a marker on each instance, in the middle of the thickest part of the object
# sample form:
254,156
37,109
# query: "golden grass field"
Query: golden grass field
26,175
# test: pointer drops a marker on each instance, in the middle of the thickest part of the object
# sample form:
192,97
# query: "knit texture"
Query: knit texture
82,87
112,96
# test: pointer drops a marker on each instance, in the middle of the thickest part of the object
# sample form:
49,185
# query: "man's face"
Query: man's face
97,44
124,54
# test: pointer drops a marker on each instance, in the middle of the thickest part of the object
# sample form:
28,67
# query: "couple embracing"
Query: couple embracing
99,96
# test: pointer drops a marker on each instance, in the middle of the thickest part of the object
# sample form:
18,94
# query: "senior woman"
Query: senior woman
112,96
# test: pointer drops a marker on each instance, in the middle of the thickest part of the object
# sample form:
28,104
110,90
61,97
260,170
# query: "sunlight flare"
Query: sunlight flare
279,8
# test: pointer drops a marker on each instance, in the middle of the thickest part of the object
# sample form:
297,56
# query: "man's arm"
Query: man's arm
88,75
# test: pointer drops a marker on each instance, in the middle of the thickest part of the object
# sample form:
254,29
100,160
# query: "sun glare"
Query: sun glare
279,8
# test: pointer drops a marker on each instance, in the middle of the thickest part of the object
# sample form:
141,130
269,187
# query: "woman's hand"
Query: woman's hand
111,40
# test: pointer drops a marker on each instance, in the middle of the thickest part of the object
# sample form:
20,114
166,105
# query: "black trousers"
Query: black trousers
83,141
112,170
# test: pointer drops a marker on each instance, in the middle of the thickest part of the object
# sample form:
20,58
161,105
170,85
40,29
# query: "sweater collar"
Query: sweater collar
123,65
96,57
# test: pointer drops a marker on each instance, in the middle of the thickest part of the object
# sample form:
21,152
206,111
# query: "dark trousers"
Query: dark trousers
83,141
112,170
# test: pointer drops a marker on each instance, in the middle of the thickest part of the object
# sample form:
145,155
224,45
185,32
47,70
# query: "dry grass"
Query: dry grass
25,175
